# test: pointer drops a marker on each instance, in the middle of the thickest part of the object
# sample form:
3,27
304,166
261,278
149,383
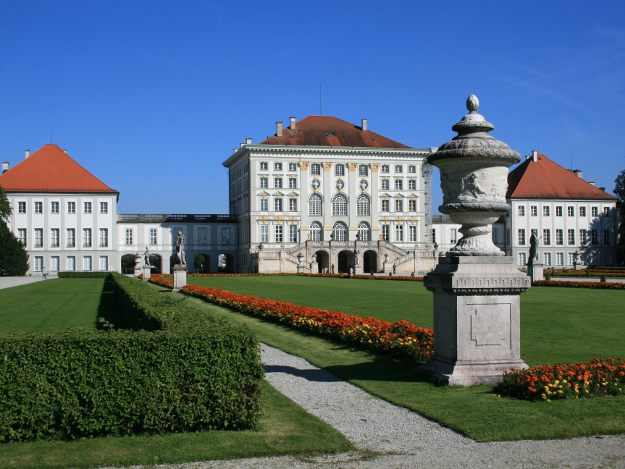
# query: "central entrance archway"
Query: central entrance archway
370,262
128,264
346,262
202,263
323,262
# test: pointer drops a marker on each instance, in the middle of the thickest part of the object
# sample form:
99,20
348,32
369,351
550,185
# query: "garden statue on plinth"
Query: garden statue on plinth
180,268
535,269
476,287
147,267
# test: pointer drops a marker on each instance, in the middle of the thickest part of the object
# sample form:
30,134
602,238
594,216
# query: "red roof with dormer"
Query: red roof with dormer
545,179
50,169
330,131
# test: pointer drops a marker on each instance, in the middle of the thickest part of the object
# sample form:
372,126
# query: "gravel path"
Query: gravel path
388,436
8,282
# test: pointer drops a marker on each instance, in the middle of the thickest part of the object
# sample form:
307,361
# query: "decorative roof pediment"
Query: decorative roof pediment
263,194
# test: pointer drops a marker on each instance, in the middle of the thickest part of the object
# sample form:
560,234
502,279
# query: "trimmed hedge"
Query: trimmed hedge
84,274
196,373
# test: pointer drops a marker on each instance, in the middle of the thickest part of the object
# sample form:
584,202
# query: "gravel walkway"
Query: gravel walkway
8,282
388,436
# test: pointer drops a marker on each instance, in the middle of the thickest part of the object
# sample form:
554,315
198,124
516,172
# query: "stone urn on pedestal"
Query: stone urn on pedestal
476,287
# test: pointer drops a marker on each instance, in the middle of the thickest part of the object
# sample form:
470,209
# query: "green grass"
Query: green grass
285,428
50,305
557,324
474,411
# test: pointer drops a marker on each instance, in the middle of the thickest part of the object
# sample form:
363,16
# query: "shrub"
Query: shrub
84,274
13,256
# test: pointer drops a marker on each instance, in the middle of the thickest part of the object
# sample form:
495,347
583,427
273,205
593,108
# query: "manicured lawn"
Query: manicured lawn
51,305
285,428
557,324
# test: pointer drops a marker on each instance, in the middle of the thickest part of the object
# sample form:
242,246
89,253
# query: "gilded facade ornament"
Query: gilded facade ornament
327,166
375,167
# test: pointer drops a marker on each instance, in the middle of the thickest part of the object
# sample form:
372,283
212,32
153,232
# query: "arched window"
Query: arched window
363,205
316,233
340,231
364,231
315,205
339,205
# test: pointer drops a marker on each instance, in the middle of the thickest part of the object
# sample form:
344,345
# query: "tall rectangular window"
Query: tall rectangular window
399,184
104,207
399,205
153,236
54,237
583,237
293,205
413,233
385,232
86,238
38,207
384,168
522,258
292,166
412,169
21,236
129,237
559,237
521,210
104,263
277,166
594,211
70,238
385,184
559,259
21,207
54,207
339,170
38,267
534,210
264,233
292,183
546,210
264,166
292,233
87,207
70,263
86,263
264,204
363,170
279,233
277,204
547,237
385,205
399,233
38,243
582,211
71,207
399,168
315,169
571,236
547,257
522,237
264,183
570,211
277,183
412,205
571,258
54,264
412,184
558,210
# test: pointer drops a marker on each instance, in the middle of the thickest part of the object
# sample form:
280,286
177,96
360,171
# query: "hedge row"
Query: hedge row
193,374
84,274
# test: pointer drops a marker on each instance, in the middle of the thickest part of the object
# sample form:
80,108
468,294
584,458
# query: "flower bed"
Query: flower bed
576,284
599,377
399,338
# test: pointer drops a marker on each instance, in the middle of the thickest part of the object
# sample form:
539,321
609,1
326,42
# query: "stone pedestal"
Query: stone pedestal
180,277
147,272
476,319
536,271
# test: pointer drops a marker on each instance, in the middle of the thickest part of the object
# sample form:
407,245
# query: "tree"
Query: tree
619,191
13,256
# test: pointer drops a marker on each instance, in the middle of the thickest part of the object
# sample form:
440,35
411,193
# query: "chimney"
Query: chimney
592,183
5,166
534,156
578,173
279,128
602,189
26,153
248,141
363,124
292,123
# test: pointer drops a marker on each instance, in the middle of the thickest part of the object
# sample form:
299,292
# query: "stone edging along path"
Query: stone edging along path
388,436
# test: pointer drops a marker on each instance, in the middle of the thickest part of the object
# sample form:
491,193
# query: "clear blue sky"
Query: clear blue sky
153,95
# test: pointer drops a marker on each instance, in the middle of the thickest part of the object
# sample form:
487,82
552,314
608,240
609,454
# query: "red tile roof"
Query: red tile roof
545,179
330,131
50,169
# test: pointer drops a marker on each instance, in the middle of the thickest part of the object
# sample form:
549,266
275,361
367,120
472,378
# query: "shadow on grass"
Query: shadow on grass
108,306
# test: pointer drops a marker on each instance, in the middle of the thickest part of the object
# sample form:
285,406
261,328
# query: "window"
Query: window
413,232
54,237
339,232
385,205
399,184
571,258
277,204
522,258
153,236
412,169
292,166
87,207
559,237
264,183
129,240
412,205
54,207
339,205
71,207
104,207
315,206
399,205
293,205
453,237
264,204
70,263
277,166
264,166
522,237
264,233
363,170
292,233
594,237
339,170
385,184
546,210
521,210
38,243
399,168
399,233
277,183
547,257
279,233
38,264
558,210
21,236
385,232
104,237
582,211
54,263
534,210
104,263
316,234
38,207
70,237
559,259
21,207
606,211
364,232
571,236
570,211
86,263
547,237
315,169
86,237
363,206
606,237
594,211
292,183
384,168
583,237
412,184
